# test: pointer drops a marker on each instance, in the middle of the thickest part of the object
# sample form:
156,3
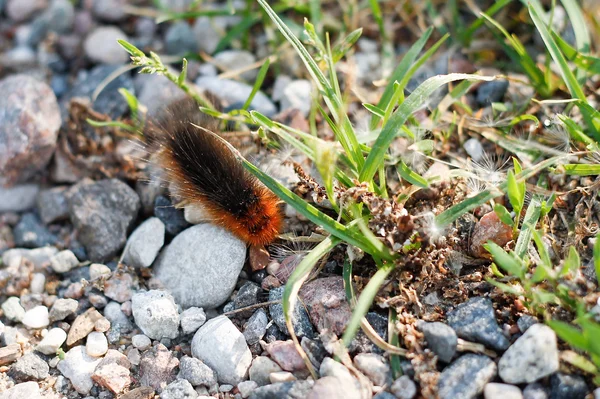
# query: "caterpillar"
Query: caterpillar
203,171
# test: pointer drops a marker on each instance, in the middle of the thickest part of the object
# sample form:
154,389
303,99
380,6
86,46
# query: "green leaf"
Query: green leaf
375,110
132,102
513,290
532,215
507,261
456,211
131,49
120,125
183,74
582,169
503,214
411,176
340,49
260,77
544,255
515,192
572,335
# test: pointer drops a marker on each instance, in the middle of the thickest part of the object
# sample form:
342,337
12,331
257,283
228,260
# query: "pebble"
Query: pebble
28,127
58,17
475,320
29,390
113,372
52,205
78,367
474,149
173,218
296,389
109,10
141,342
489,228
12,351
404,388
237,59
180,389
361,343
155,312
62,308
261,369
531,357
326,302
297,95
256,327
154,93
281,376
220,345
384,395
374,367
102,211
144,243
568,386
98,270
40,257
52,341
29,367
495,390
246,388
348,386
119,286
196,372
192,319
31,233
101,45
525,322
180,39
441,339
119,322
21,10
83,325
109,101
536,391
36,317
64,261
96,344
300,319
233,92
466,377
12,309
285,354
491,92
38,283
212,256
157,367
207,34
246,296
18,198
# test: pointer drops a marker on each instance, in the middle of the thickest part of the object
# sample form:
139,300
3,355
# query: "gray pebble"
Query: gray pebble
495,390
297,95
525,322
12,309
29,390
192,319
18,198
256,327
491,92
156,314
64,261
568,386
237,59
536,391
180,389
141,342
62,308
375,367
404,388
261,369
31,233
180,39
300,320
52,205
29,367
466,377
441,339
144,243
101,45
196,372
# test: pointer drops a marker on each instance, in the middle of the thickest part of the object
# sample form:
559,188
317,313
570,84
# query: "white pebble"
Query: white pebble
52,341
36,317
63,261
141,342
98,270
96,345
38,282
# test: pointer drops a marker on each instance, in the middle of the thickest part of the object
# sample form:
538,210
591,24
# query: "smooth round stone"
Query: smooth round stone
36,317
101,45
144,243
141,342
96,344
156,314
52,341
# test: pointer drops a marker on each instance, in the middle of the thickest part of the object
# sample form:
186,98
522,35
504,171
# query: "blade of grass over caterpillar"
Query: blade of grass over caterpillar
411,104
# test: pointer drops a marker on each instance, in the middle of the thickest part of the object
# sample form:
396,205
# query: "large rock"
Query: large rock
222,347
102,212
533,356
29,124
201,266
156,314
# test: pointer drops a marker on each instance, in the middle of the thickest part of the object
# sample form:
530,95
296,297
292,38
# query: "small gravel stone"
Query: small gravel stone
196,372
12,309
109,10
525,322
78,367
38,283
62,308
300,319
144,243
64,261
101,45
29,127
531,357
209,253
102,211
491,92
361,343
21,10
286,355
192,319
52,205
12,351
112,376
384,395
157,367
489,228
375,367
536,391
466,377
18,198
474,149
208,34
53,340
141,342
404,388
173,218
156,314
119,287
247,295
494,390
567,386
220,345
36,317
281,376
119,322
256,327
441,339
29,367
29,390
233,92
96,344
474,320
31,233
335,374
246,388
98,270
180,389
180,39
297,95
237,59
39,257
83,325
326,302
261,369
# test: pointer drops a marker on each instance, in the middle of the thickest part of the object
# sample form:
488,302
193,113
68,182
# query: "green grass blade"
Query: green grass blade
412,103
411,176
532,215
262,73
497,6
507,261
582,169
